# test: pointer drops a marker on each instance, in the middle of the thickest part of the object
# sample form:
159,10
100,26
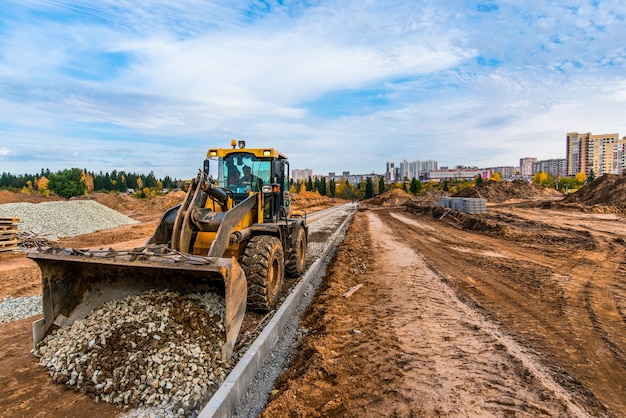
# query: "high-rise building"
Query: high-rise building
604,153
301,175
390,172
576,153
526,166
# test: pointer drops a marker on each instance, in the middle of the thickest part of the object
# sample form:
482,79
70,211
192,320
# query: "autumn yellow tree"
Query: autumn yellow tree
496,177
42,186
540,178
28,188
581,178
87,180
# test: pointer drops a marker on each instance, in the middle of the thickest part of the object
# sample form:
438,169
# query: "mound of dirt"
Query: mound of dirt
608,190
12,197
390,198
500,191
309,200
129,205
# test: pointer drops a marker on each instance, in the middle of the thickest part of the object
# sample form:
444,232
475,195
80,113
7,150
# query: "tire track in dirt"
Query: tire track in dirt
539,292
473,364
405,345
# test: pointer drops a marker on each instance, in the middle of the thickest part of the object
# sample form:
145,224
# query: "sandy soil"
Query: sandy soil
520,314
527,320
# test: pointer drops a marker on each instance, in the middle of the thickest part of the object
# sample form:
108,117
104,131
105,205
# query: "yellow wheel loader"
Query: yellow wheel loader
234,233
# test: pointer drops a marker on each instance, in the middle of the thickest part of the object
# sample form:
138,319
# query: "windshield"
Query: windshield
243,172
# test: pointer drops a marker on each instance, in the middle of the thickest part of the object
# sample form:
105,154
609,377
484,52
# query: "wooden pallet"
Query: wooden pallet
8,234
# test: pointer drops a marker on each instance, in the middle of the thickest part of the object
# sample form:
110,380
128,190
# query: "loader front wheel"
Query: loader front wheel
297,256
263,263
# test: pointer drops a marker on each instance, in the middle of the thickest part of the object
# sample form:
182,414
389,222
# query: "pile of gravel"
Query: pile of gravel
13,309
64,219
158,351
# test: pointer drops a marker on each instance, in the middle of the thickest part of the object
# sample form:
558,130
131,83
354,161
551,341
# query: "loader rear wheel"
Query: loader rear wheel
297,256
263,263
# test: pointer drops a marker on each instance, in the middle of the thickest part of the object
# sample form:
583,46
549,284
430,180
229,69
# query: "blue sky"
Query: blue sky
336,85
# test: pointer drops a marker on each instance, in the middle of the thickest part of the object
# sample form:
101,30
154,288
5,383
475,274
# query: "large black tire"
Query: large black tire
263,263
297,255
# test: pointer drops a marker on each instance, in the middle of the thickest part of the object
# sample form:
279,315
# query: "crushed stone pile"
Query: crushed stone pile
608,190
157,351
500,191
58,219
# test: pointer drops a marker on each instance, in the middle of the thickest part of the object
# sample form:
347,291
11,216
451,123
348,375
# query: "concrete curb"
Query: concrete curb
225,400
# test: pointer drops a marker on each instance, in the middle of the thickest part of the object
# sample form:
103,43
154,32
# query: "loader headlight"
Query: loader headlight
267,152
266,188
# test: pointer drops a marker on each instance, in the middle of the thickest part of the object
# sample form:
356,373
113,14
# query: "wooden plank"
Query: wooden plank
8,227
5,234
8,245
5,220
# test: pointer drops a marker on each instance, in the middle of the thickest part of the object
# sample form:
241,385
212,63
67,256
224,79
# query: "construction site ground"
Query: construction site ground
423,312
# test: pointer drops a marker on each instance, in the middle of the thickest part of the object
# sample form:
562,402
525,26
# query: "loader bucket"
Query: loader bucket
75,282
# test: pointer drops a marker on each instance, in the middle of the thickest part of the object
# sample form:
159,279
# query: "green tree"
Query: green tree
67,183
332,188
591,177
416,186
381,185
369,188
479,180
321,187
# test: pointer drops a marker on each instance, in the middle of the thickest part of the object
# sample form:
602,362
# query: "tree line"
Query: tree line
75,182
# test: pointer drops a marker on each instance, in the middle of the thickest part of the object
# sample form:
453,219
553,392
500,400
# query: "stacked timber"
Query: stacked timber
8,234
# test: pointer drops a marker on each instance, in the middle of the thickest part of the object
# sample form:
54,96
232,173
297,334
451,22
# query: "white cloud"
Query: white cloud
337,85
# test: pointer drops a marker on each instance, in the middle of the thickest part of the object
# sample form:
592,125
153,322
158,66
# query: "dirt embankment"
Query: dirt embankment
500,191
606,194
312,201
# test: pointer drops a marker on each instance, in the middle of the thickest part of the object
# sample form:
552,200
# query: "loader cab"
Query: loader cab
245,171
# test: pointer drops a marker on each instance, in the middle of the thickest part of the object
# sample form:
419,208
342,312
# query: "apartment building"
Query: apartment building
526,166
555,167
301,175
603,153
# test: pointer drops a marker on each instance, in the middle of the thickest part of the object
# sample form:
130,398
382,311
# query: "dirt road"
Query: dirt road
525,318
520,312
